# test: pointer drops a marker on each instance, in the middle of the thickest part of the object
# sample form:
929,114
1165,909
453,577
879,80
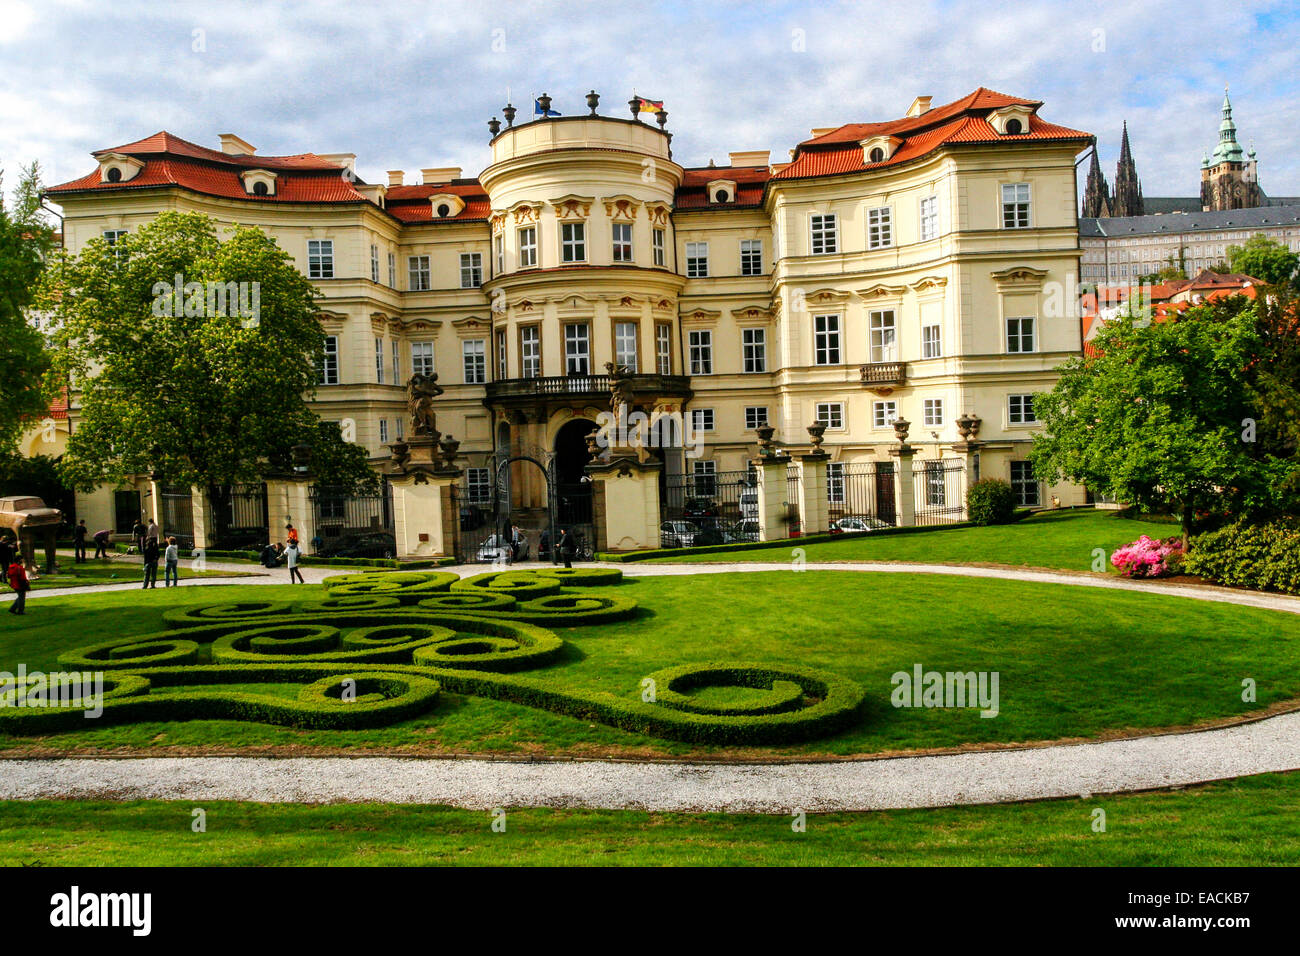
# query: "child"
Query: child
18,581
170,574
291,558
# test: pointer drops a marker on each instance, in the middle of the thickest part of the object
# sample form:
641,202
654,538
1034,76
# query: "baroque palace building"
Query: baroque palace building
921,268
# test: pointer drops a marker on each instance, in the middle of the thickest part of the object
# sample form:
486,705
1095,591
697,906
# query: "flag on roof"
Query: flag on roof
644,105
538,111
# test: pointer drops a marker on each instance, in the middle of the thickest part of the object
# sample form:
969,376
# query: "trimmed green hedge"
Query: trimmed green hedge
1261,557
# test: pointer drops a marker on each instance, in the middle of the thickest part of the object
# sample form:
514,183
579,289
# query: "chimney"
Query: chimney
396,176
754,157
347,161
919,105
232,145
440,174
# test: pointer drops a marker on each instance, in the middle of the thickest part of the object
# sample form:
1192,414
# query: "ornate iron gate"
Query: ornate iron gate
240,515
177,513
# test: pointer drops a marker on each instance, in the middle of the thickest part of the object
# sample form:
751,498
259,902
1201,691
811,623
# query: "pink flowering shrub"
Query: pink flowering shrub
1149,557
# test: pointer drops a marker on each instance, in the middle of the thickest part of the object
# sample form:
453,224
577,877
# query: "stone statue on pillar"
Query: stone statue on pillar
620,390
421,390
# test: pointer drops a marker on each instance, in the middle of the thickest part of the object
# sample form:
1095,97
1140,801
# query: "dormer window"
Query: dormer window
118,168
258,182
446,206
721,191
1012,120
879,149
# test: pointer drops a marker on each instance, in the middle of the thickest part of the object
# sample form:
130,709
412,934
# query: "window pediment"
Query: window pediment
621,208
881,291
258,182
445,205
572,207
721,191
118,168
1019,277
1002,120
879,149
524,212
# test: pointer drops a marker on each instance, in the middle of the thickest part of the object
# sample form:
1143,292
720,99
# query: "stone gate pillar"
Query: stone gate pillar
625,502
904,486
426,522
813,510
773,524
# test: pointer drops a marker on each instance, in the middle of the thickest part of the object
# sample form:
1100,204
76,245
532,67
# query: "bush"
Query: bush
1149,557
1262,557
991,501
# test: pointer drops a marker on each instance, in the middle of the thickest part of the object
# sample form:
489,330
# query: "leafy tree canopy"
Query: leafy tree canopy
25,242
1266,260
194,354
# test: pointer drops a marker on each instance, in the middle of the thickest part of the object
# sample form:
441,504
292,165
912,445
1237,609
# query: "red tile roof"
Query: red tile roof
749,180
172,161
962,121
411,203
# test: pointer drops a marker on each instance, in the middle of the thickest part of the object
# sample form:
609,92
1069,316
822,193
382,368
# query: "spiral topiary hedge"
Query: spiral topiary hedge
381,646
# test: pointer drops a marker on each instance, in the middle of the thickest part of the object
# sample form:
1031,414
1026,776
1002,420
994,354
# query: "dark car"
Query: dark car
374,544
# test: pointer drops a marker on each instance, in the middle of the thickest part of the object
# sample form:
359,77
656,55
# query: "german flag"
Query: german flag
648,106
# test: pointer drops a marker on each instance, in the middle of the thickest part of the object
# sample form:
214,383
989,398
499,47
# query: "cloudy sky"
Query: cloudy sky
406,85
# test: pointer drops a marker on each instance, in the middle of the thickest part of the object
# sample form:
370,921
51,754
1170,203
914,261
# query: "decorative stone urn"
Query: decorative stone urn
766,446
968,426
400,452
901,428
816,433
449,446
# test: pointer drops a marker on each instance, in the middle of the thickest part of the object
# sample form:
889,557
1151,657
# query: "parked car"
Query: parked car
696,508
857,524
746,530
497,548
371,544
677,534
471,517
749,505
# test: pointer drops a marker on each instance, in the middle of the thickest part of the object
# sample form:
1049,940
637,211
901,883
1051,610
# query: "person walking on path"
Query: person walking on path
291,555
18,581
101,543
79,542
567,547
171,559
137,535
151,562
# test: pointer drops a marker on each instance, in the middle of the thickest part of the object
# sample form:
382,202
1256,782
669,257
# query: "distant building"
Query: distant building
1122,250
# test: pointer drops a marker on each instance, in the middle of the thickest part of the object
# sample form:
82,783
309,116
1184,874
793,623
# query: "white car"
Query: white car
677,534
860,524
495,548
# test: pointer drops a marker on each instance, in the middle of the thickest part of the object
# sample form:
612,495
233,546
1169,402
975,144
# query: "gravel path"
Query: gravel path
1067,770
951,779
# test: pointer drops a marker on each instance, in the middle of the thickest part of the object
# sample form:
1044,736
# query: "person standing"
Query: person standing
291,554
7,552
151,532
18,581
101,543
79,542
516,543
291,535
567,547
151,562
171,558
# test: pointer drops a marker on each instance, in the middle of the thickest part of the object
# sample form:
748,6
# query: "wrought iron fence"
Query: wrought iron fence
937,484
860,495
240,516
353,525
793,500
709,507
177,513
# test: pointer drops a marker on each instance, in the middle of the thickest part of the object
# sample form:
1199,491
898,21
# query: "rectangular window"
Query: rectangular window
751,257
392,270
880,227
400,436
499,247
826,339
884,336
622,242
1020,335
474,353
421,358
379,360
664,349
478,482
530,351
397,364
383,431
625,344
1015,206
528,247
329,363
705,478
503,364
883,414
471,270
697,260
577,349
929,218
753,345
111,237
701,344
374,263
931,341
825,234
1020,410
755,416
573,241
835,483
830,414
933,412
1024,484
657,244
702,419
418,277
320,258
936,488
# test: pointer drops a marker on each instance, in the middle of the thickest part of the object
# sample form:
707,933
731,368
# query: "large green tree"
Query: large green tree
1264,259
1163,414
25,242
192,354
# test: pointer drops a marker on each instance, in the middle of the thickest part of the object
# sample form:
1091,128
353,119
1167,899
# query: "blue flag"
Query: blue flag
538,111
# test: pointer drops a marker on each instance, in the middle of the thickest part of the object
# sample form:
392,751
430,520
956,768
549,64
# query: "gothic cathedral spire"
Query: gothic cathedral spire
1128,190
1096,195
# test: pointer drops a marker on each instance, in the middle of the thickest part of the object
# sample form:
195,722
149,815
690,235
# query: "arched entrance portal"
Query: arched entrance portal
573,487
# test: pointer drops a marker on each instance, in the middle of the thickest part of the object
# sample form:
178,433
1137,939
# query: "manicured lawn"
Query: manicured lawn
100,571
1064,540
1073,662
1248,822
